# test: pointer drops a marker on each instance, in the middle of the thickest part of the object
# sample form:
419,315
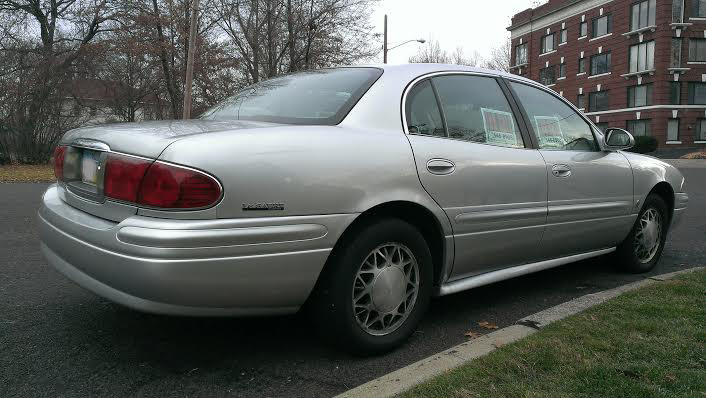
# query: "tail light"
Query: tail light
158,185
59,153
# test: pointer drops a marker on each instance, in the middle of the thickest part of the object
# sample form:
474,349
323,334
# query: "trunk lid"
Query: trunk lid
148,139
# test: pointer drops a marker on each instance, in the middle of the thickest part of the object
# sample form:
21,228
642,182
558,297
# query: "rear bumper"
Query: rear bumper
190,267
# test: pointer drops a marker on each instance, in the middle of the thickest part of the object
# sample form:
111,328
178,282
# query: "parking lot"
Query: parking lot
57,339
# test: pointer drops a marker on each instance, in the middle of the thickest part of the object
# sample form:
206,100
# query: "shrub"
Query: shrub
644,144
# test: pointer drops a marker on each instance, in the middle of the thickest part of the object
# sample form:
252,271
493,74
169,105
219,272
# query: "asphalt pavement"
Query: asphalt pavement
58,340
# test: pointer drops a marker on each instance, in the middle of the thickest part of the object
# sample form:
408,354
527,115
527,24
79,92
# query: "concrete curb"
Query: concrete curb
403,379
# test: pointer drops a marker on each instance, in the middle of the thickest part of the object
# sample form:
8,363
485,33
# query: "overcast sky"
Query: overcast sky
475,25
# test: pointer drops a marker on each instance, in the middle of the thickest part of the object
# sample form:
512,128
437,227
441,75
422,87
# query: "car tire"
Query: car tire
636,253
352,291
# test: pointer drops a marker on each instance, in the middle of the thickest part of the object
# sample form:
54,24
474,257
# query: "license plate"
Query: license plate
89,167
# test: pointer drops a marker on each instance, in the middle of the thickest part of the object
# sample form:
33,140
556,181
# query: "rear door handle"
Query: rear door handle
561,170
441,166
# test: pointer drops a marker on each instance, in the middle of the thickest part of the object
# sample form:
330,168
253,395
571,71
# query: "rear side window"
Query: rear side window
476,110
316,97
423,116
556,125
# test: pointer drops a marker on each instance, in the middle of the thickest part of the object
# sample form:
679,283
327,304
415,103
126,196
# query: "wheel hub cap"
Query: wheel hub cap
388,289
648,235
385,289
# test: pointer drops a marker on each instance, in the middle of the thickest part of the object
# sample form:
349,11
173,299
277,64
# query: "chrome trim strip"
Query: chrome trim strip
500,215
178,239
586,208
508,273
90,144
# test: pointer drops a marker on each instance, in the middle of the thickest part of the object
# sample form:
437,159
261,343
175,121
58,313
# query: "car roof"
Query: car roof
420,69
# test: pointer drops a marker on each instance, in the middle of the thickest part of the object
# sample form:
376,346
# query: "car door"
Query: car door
474,159
590,192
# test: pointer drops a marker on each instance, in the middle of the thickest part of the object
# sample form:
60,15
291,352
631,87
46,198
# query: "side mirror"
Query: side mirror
618,139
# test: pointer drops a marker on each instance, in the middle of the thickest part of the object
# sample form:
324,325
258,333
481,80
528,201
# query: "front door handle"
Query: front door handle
441,166
561,170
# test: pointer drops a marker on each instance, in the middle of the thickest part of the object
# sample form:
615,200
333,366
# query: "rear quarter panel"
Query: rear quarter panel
311,170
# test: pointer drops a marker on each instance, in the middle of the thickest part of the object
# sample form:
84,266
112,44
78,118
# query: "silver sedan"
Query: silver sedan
357,193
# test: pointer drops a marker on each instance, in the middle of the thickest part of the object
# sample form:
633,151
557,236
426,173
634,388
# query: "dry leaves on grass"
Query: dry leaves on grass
487,325
26,173
695,155
472,335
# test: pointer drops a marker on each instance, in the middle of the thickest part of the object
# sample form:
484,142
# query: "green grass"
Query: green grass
650,342
26,173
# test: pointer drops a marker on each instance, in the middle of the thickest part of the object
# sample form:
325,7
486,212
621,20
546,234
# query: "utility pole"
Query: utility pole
384,45
193,29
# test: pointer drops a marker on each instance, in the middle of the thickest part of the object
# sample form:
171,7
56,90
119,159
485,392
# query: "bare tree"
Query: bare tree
430,53
500,57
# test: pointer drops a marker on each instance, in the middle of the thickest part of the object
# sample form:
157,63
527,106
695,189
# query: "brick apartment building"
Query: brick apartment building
639,65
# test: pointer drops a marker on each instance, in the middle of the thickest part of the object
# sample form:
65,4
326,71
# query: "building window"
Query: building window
677,11
547,43
562,70
674,93
639,127
673,130
640,95
697,50
701,131
642,57
598,101
521,54
600,64
582,65
697,93
547,75
676,53
563,35
602,26
581,101
698,8
642,15
583,29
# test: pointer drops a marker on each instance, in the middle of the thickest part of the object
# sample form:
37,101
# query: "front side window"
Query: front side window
675,61
547,75
697,93
640,95
642,57
639,128
598,101
556,125
701,133
476,110
643,14
674,93
422,111
582,65
673,130
563,36
698,8
521,54
697,50
602,26
315,97
600,64
548,43
583,29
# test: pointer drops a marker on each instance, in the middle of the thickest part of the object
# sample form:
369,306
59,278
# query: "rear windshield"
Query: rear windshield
321,97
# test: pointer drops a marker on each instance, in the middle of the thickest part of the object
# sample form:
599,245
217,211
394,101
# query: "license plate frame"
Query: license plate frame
90,161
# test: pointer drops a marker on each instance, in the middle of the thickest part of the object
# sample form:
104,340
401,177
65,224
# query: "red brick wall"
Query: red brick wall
619,47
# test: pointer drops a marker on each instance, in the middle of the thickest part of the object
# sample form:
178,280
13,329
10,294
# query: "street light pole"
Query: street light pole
384,46
193,29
